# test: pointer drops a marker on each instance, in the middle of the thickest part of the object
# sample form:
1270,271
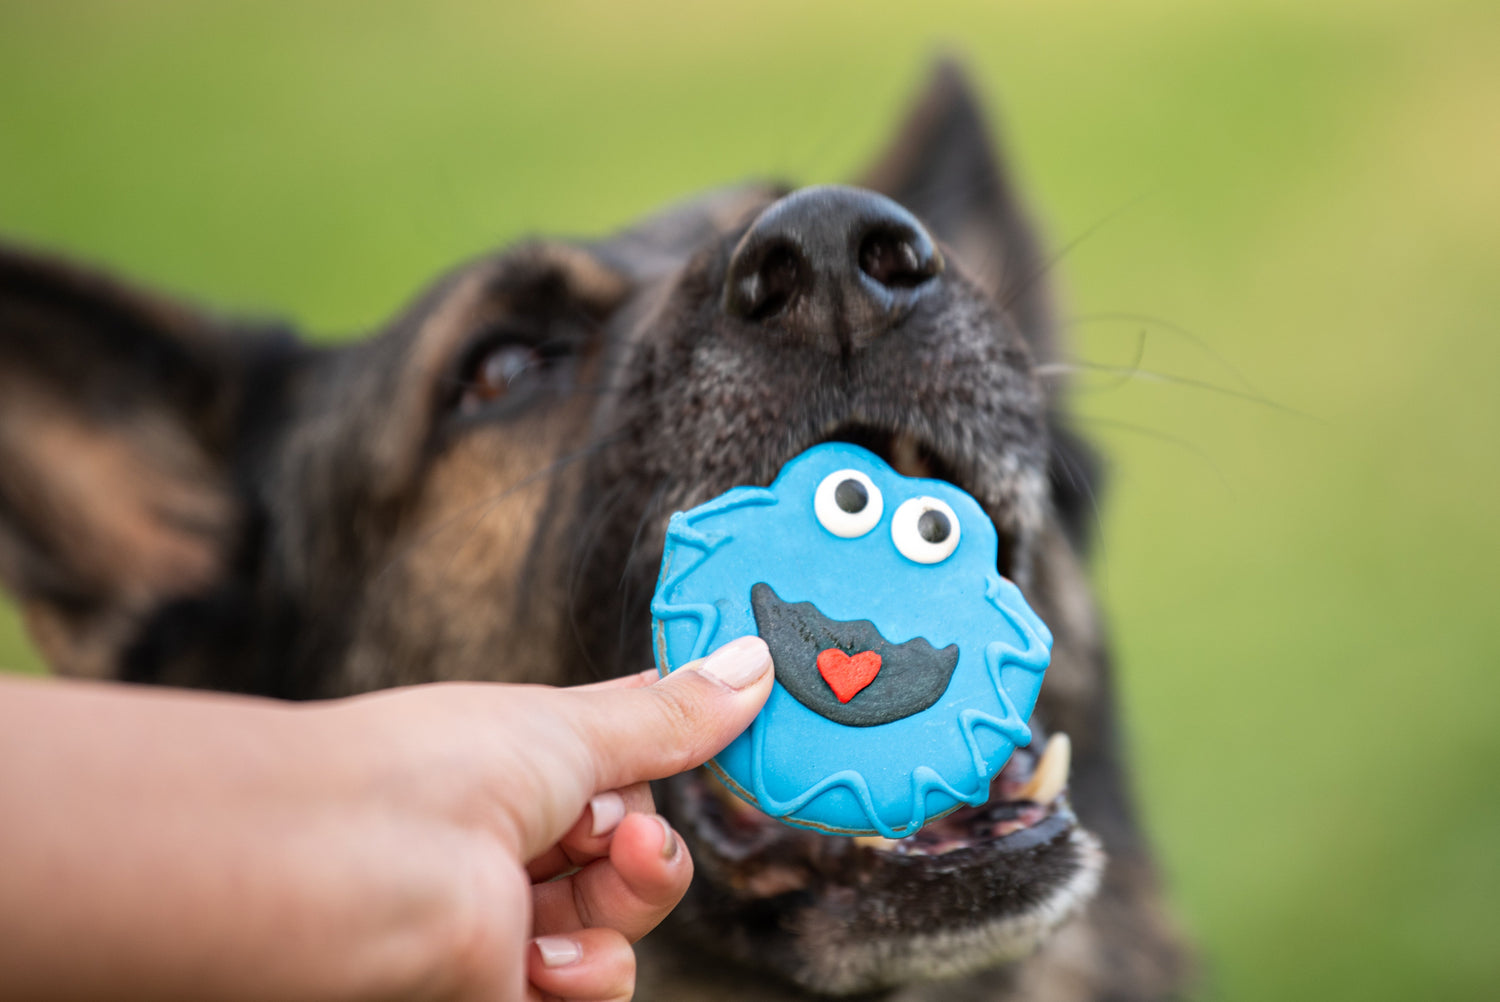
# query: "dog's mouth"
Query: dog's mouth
978,886
981,886
1028,806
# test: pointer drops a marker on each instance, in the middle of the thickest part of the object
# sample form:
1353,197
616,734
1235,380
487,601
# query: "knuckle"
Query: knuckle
681,713
480,929
583,905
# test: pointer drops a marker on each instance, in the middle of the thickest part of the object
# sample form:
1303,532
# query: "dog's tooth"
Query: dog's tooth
875,842
1051,772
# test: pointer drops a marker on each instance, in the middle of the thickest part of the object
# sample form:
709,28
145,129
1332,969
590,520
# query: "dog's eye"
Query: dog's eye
925,530
499,371
848,503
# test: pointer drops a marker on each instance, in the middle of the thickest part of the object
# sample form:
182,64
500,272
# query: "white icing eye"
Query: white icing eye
848,503
925,530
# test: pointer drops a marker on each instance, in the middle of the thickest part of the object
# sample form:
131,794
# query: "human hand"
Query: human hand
569,864
414,843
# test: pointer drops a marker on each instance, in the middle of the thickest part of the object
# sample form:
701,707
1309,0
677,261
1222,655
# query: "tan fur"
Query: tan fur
137,515
460,557
140,504
79,648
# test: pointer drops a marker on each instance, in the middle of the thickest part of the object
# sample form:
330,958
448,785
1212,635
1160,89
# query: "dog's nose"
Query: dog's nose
833,267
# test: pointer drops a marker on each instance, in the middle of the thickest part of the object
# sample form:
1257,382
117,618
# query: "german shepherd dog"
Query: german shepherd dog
480,491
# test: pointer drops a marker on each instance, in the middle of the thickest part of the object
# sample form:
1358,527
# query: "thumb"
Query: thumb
618,736
552,749
677,723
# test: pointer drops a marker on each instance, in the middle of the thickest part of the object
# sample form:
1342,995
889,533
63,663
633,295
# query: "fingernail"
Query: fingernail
558,951
608,810
738,663
669,844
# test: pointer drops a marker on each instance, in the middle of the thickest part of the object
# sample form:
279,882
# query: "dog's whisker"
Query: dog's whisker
1012,291
1050,370
630,585
1167,326
1162,436
647,514
586,545
1059,369
1080,481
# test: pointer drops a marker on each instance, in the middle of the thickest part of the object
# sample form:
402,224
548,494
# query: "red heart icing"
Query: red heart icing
846,675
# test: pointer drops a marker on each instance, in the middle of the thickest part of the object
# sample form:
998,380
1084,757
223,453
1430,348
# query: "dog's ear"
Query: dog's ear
945,166
119,418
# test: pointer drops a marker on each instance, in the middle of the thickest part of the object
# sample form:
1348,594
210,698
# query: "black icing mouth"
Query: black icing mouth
911,677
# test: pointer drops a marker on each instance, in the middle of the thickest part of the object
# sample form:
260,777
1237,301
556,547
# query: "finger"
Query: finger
634,681
597,965
589,838
645,876
676,723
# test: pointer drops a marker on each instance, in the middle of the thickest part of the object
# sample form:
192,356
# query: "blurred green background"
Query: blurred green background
1298,203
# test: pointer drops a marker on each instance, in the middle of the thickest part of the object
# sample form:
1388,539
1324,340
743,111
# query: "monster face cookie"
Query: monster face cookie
906,666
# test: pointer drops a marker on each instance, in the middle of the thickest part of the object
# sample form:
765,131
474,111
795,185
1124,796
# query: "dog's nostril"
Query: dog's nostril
781,275
831,267
769,286
897,259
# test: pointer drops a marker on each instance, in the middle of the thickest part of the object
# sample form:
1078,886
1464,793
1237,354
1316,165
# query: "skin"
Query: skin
449,841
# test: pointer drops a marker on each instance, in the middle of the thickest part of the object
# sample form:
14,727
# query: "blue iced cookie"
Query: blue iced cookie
906,666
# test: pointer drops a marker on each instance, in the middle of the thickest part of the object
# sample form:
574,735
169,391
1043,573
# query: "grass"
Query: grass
1297,203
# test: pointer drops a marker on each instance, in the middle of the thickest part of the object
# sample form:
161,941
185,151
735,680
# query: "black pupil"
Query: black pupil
934,526
851,496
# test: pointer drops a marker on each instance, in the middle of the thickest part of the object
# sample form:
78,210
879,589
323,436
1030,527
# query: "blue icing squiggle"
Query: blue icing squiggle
795,762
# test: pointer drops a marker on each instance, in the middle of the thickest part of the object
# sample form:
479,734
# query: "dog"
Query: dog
480,491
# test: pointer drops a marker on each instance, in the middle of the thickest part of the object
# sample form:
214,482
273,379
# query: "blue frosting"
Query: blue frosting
797,764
